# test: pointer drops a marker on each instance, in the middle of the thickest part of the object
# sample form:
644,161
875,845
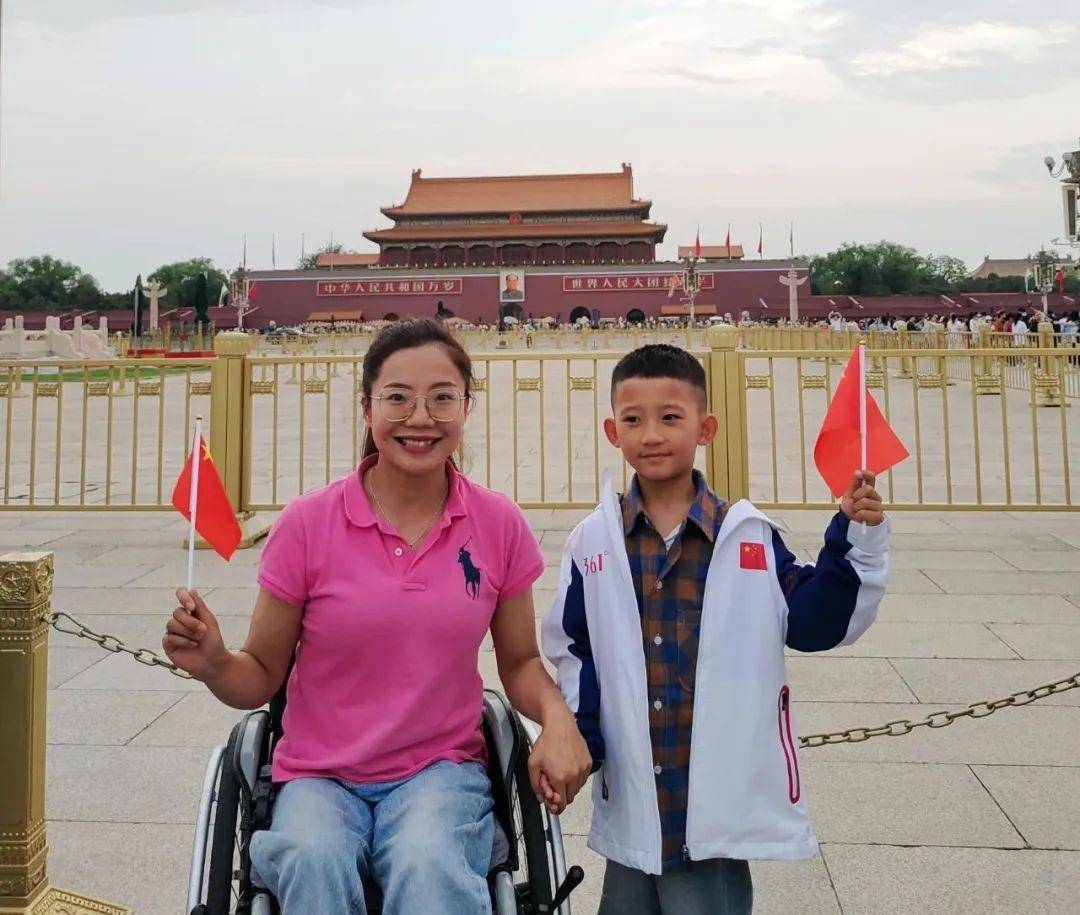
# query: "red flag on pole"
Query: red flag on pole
199,492
760,239
727,241
697,245
854,435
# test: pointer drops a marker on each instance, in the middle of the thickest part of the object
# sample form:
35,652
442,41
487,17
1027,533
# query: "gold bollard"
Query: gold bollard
26,581
1047,382
987,378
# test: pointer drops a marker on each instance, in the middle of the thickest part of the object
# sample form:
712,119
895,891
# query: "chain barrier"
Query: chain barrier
113,643
902,726
897,728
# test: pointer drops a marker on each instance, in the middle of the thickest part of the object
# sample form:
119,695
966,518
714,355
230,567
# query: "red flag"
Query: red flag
837,452
751,555
214,517
760,238
1060,277
727,242
697,245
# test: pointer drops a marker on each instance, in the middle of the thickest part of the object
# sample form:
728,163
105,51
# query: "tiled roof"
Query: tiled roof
543,230
1002,267
347,259
713,252
519,194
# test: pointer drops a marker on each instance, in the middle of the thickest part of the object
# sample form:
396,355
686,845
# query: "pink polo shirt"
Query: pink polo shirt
386,681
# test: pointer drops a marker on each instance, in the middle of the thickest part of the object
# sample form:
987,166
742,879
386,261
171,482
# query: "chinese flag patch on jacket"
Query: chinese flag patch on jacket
751,555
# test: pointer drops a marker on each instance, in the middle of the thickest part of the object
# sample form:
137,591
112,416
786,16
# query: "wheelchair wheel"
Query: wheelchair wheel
219,881
530,832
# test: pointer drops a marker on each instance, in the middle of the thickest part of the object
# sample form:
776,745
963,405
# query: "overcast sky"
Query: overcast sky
134,132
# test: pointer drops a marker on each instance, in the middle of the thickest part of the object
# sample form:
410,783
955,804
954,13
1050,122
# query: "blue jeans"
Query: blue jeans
426,841
718,886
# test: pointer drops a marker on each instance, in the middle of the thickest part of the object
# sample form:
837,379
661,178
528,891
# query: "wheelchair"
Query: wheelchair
528,876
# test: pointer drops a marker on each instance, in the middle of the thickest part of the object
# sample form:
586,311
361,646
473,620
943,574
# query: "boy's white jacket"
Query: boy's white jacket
745,792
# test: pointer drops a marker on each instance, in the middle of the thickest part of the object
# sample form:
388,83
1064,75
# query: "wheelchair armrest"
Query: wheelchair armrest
252,751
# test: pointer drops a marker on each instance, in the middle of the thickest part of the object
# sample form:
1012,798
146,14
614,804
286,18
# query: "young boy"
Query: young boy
668,633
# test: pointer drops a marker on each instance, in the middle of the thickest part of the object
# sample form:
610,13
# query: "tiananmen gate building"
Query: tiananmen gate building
559,246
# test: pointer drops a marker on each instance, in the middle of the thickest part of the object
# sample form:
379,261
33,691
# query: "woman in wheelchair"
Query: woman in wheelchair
380,589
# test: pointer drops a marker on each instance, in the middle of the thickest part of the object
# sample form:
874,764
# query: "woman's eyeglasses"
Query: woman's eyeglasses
442,406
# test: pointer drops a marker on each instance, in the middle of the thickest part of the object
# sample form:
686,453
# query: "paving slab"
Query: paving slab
102,716
125,784
964,582
886,880
837,679
903,804
887,639
120,672
978,608
140,865
114,600
64,663
784,887
1042,801
197,719
238,601
1029,560
1040,640
973,560
68,575
937,681
209,574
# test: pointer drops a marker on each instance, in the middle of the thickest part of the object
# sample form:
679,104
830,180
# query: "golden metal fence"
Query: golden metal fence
987,426
110,433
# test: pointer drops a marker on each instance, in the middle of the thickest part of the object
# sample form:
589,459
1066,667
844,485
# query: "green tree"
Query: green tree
181,277
885,268
47,284
307,262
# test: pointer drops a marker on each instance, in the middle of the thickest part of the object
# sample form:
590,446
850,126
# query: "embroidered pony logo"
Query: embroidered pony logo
472,573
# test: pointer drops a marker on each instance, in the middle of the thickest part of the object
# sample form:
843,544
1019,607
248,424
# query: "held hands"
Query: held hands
861,501
193,639
559,764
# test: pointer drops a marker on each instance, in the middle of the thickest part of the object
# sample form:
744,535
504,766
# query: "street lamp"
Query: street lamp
239,284
1045,270
1070,192
689,283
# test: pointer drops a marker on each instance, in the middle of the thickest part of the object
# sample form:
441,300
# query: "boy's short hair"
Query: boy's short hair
661,360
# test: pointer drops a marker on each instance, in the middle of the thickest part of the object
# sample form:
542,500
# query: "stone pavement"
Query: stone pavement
981,817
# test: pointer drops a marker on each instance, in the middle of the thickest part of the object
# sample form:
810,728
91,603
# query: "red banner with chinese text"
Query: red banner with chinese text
451,286
630,282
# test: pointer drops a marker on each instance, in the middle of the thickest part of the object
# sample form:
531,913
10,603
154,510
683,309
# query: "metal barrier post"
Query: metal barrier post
230,432
728,469
986,379
1046,377
26,582
905,361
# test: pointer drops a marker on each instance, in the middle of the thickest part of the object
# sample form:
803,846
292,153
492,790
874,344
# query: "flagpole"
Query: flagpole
193,500
862,410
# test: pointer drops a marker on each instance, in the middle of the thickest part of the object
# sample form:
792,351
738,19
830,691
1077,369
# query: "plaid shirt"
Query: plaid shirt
670,586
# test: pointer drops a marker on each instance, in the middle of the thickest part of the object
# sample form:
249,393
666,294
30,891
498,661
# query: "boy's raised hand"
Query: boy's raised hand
861,501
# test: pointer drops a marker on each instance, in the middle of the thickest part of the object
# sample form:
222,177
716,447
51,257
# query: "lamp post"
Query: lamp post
690,282
1045,270
239,283
1070,193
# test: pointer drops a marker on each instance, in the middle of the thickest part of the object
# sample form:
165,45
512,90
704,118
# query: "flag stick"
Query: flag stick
193,500
862,411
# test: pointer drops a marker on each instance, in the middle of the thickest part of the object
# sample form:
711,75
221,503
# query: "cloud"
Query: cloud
977,44
764,46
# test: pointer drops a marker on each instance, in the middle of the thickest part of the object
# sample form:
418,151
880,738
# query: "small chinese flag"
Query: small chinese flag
751,555
214,517
839,447
697,245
